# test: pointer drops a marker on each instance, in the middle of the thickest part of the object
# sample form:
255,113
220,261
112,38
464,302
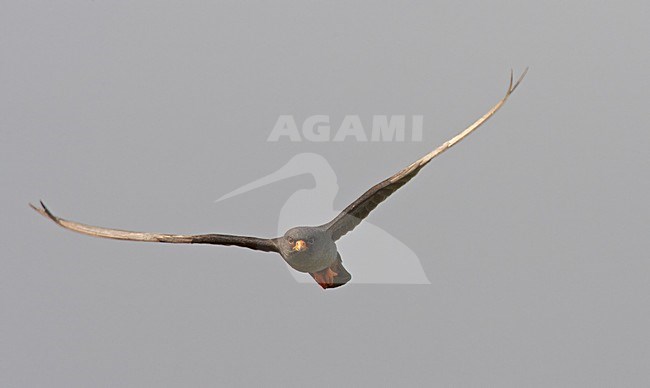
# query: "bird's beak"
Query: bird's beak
300,246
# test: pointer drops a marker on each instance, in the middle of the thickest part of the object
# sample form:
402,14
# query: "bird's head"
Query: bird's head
299,239
307,249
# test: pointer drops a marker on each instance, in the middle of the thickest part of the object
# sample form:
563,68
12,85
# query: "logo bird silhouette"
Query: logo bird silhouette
379,257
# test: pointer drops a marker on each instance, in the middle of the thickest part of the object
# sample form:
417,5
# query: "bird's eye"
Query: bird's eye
310,240
290,240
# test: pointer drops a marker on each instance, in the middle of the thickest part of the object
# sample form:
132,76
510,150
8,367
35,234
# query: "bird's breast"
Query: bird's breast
315,258
305,263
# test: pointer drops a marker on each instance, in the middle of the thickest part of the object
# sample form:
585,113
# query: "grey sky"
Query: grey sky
138,115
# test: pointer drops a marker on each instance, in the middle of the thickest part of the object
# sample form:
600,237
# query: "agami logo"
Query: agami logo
318,128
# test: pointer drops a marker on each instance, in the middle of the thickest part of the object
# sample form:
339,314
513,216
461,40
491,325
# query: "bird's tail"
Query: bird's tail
333,276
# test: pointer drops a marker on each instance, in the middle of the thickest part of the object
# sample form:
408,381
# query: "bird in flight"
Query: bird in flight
309,249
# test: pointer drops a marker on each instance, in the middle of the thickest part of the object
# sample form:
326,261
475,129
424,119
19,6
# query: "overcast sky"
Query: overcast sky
138,115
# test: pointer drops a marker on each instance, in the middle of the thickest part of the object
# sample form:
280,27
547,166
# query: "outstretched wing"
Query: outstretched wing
352,215
259,244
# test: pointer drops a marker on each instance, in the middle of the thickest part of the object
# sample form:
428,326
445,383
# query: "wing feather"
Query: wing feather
352,215
259,244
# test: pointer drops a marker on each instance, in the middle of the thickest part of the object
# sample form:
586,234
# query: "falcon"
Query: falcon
309,249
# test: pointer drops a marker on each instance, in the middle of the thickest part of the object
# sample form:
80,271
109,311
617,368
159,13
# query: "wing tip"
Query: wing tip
44,211
37,209
512,86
